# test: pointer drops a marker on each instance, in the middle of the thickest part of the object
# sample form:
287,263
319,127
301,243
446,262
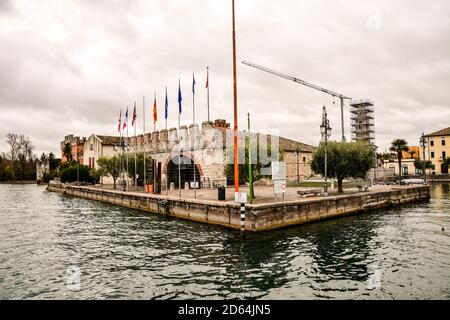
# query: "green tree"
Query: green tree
140,167
110,167
345,160
53,163
67,152
399,146
418,164
75,172
257,168
446,163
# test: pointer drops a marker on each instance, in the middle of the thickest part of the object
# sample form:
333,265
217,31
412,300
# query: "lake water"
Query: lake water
57,247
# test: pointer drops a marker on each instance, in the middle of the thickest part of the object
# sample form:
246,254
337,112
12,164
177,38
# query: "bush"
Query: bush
70,174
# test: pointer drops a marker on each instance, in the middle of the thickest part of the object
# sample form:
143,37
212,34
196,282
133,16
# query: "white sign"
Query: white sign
195,185
278,170
240,197
279,186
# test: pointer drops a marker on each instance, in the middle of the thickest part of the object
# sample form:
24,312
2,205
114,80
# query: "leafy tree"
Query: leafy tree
110,167
345,160
67,152
257,168
446,163
75,172
399,146
140,167
43,158
53,163
418,164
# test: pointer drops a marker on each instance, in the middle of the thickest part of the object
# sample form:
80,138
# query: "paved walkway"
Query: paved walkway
263,194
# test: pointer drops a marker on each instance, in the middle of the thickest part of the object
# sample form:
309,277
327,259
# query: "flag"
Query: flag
166,106
180,98
155,112
207,80
134,115
125,121
193,84
120,121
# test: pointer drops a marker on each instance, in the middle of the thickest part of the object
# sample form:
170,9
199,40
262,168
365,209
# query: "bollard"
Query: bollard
242,217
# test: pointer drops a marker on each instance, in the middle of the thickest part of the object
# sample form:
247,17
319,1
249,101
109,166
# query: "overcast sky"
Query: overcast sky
70,66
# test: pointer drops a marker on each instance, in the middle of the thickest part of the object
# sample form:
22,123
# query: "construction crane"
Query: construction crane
310,85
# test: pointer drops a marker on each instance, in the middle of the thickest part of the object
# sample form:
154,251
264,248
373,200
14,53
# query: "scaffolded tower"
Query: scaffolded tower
363,121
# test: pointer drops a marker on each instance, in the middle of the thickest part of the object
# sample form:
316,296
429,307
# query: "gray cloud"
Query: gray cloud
70,66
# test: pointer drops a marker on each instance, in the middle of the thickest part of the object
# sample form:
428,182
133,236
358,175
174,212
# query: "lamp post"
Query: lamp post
325,131
423,144
78,168
124,184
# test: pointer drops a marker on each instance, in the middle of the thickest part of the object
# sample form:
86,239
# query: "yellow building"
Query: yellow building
408,159
437,149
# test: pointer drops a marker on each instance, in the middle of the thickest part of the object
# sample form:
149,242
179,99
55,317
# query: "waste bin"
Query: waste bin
221,193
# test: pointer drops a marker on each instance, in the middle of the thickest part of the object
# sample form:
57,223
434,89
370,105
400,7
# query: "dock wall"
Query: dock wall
258,217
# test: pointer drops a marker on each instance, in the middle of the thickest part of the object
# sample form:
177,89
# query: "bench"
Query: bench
309,193
362,188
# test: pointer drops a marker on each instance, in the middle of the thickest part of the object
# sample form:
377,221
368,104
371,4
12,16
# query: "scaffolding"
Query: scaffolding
363,121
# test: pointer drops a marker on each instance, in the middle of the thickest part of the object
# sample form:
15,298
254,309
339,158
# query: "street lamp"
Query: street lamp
325,131
124,147
423,143
78,168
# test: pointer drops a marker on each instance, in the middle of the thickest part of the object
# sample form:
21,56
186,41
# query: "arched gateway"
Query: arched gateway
187,171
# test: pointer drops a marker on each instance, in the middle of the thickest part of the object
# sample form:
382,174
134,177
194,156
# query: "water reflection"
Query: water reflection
124,253
440,190
343,248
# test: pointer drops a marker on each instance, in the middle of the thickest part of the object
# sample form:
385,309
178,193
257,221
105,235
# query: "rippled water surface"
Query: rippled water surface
48,242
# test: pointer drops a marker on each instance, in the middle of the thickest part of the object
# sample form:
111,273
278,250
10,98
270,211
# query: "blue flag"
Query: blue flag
180,98
167,106
193,84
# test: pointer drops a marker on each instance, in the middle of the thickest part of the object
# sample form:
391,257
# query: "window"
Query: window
432,155
444,155
405,169
304,159
431,143
91,147
443,142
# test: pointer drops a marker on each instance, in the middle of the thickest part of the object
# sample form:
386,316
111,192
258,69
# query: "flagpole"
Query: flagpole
121,154
166,106
120,141
250,164
193,122
179,137
135,147
126,151
207,77
236,157
143,138
154,153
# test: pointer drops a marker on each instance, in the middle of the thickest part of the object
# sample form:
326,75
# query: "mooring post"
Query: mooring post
242,217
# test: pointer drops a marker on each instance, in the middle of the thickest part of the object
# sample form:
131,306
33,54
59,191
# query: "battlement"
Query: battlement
167,139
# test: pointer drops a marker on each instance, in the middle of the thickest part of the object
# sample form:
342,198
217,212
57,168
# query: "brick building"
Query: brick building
77,145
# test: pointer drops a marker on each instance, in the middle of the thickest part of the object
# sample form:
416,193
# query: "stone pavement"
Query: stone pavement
263,194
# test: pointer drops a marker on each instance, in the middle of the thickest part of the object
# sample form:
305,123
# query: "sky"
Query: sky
70,66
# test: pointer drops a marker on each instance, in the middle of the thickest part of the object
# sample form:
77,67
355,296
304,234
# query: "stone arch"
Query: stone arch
187,170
